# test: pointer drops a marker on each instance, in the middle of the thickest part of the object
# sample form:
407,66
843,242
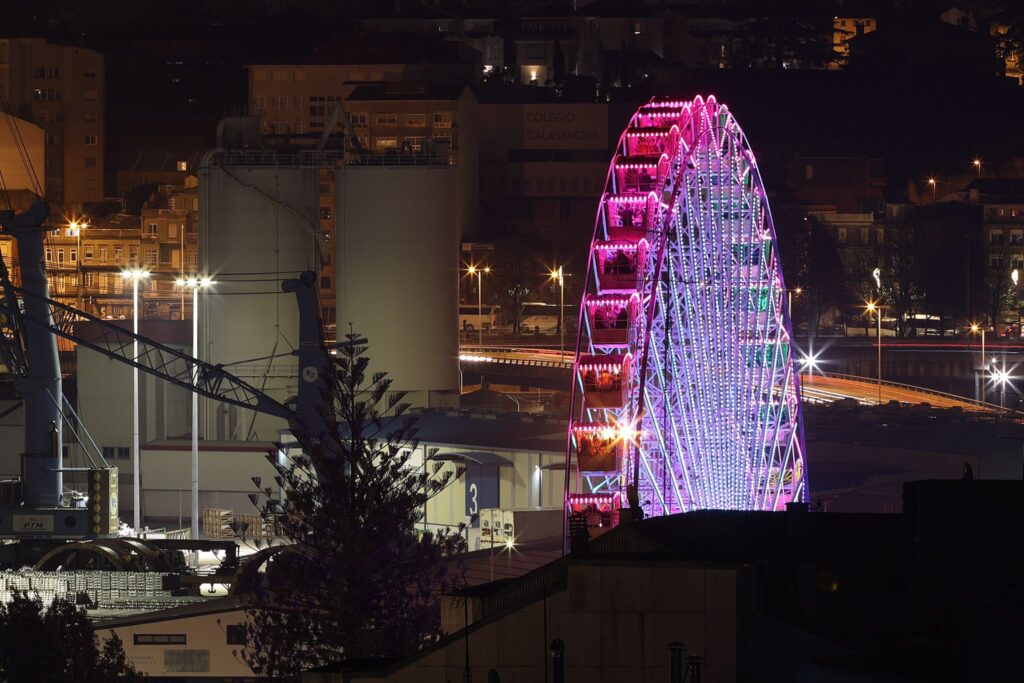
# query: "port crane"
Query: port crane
31,322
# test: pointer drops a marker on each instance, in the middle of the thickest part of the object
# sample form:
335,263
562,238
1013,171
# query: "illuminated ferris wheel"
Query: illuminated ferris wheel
685,391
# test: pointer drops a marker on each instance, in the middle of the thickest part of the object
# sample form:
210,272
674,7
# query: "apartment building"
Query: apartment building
300,98
60,88
85,258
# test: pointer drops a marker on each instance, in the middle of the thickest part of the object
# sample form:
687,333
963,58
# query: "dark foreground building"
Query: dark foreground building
932,594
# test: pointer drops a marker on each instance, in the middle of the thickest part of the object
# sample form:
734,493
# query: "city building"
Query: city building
61,89
729,596
846,28
543,166
300,97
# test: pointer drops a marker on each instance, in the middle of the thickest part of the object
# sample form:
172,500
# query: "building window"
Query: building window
995,261
808,172
90,162
103,254
92,185
104,283
152,257
152,228
182,165
358,118
280,75
123,452
259,74
386,143
325,282
995,237
73,255
49,254
53,139
389,120
236,632
89,117
88,252
160,639
118,254
1017,238
90,279
1017,261
299,75
880,236
193,259
864,235
108,453
91,140
416,120
89,74
442,119
90,95
172,231
841,235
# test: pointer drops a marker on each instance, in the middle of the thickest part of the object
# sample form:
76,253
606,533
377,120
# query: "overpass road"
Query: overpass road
550,369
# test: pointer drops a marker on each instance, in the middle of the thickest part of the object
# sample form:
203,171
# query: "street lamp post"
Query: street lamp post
135,275
977,165
798,290
195,284
931,181
873,307
479,272
558,276
974,329
76,228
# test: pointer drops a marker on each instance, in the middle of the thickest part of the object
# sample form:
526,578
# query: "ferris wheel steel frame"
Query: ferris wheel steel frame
685,391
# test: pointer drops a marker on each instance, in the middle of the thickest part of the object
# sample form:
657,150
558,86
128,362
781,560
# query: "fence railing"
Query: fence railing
988,407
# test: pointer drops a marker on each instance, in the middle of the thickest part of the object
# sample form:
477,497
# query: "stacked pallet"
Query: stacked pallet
217,523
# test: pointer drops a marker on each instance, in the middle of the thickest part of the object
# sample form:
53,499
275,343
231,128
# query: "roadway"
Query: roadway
816,387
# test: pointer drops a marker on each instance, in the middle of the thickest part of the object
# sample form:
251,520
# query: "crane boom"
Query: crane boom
157,359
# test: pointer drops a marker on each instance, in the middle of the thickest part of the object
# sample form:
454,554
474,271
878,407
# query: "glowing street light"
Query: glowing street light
135,275
559,277
809,362
1001,377
479,272
195,284
931,181
798,291
977,165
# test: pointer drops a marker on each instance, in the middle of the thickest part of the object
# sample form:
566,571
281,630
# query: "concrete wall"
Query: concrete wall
615,622
397,248
254,231
205,635
16,175
225,479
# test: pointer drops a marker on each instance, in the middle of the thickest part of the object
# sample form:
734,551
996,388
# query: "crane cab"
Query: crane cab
619,265
598,446
605,380
612,319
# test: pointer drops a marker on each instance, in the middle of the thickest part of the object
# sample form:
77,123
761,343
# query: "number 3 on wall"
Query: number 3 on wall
472,499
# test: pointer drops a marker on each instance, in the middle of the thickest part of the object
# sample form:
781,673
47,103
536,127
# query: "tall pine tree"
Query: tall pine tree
361,581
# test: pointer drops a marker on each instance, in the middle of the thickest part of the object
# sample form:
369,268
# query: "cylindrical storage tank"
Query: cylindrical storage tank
398,273
258,214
